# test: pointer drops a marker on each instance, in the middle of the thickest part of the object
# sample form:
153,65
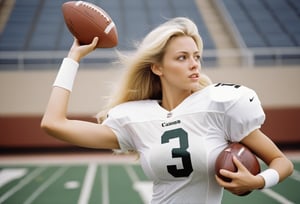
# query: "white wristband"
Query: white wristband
270,176
66,74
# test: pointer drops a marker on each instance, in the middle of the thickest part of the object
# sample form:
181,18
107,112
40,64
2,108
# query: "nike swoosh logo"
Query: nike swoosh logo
251,99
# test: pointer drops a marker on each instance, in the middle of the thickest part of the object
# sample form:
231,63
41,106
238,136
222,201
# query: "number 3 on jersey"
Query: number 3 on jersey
179,152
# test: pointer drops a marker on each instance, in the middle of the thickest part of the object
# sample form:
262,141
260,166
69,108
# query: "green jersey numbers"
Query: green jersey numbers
179,152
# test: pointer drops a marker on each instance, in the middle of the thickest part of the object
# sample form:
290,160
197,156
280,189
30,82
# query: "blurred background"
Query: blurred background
254,43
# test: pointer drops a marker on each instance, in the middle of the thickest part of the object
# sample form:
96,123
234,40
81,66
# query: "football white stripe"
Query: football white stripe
241,151
109,27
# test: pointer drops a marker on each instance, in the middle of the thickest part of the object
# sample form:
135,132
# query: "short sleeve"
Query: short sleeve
244,116
118,126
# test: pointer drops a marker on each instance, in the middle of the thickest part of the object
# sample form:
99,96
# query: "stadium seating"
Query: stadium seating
267,23
266,26
38,24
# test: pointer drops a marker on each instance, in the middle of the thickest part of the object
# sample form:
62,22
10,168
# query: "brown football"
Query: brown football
243,154
86,21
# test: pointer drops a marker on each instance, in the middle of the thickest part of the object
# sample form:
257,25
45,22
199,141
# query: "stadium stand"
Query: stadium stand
270,28
267,31
37,25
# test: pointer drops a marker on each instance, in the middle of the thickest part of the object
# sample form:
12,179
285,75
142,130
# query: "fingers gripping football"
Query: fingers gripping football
236,167
77,51
242,181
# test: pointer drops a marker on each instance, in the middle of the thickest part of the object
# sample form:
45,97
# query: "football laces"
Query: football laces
92,7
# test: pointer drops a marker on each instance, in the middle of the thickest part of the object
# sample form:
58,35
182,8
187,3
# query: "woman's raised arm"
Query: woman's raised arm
55,121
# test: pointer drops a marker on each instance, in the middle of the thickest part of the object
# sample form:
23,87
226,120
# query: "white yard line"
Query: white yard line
45,185
144,188
9,174
276,196
22,183
88,184
105,184
131,173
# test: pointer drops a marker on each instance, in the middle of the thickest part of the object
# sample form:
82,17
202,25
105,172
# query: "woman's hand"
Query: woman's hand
77,51
242,181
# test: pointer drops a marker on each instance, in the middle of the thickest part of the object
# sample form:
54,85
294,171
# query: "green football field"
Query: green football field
107,182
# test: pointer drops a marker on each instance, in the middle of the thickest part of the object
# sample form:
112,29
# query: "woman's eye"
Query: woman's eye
181,58
184,57
198,57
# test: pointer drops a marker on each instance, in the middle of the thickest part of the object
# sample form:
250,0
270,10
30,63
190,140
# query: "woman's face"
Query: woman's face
179,70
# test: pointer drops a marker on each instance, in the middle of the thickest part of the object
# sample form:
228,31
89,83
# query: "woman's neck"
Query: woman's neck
171,100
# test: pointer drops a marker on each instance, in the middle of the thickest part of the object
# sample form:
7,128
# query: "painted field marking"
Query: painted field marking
45,185
72,185
144,188
9,174
88,184
277,196
22,183
105,184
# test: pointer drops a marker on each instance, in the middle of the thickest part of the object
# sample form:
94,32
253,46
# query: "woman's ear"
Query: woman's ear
156,69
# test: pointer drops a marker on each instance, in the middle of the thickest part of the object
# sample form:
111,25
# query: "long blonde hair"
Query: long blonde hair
139,82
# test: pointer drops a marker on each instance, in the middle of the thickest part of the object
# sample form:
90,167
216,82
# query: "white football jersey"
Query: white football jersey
178,148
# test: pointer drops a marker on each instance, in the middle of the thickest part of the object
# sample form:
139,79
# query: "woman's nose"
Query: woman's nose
194,63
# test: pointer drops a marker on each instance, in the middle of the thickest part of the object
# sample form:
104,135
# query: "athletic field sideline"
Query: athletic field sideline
104,178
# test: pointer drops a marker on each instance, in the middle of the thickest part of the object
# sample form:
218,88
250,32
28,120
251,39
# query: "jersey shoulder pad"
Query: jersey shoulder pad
227,92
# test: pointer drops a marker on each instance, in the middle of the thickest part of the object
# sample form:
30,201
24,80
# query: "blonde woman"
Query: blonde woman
171,114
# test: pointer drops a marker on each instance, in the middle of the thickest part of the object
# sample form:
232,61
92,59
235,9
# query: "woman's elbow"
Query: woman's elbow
46,124
49,125
288,168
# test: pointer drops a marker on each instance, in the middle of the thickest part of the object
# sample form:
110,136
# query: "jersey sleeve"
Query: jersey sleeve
118,126
244,116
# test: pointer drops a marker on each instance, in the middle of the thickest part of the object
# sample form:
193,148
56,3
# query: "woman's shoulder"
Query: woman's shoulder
221,96
225,92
